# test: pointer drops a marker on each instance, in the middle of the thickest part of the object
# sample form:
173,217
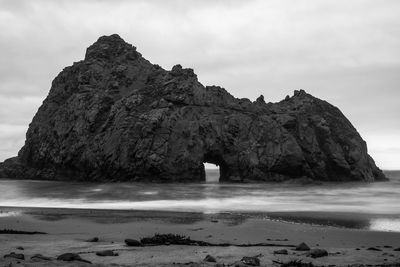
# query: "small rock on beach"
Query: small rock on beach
71,257
15,256
317,253
252,261
40,257
303,247
209,258
374,249
281,251
106,253
94,239
132,243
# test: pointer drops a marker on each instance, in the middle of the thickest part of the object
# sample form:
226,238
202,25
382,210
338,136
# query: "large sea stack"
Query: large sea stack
114,116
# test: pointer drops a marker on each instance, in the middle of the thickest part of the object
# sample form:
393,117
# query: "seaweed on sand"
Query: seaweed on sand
17,232
170,239
176,239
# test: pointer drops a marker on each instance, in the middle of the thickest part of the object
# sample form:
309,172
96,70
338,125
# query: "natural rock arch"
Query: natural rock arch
115,116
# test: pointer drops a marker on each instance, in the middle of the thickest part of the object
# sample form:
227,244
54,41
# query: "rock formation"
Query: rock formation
114,116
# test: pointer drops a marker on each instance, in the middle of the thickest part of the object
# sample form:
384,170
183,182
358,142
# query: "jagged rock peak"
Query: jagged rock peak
116,117
260,100
301,92
110,46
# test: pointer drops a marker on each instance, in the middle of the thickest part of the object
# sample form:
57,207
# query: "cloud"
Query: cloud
341,51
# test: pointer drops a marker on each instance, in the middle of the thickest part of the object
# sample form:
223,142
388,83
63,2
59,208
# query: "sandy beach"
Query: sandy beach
69,229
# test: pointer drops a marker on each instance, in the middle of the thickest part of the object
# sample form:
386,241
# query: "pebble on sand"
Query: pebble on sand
374,249
15,256
317,253
106,253
40,257
281,251
71,257
252,261
303,247
94,239
209,258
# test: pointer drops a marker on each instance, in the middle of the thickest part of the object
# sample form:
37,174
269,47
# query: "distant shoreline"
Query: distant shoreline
349,220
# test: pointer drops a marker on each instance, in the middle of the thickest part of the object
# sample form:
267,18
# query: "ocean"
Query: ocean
379,202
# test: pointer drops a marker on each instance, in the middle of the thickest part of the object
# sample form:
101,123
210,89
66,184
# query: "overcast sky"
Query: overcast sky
345,52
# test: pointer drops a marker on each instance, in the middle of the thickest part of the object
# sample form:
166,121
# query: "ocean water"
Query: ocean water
380,201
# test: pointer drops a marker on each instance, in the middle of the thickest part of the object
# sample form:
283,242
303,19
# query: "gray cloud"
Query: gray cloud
341,51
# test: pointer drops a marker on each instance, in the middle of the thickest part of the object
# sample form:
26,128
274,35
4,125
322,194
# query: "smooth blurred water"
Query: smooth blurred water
371,198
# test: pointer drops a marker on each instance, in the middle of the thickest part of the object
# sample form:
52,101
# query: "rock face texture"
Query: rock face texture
114,116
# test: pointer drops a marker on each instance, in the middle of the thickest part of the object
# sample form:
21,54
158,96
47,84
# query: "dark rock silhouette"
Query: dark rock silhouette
114,116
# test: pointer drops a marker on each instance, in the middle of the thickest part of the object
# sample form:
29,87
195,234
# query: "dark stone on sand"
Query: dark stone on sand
106,253
386,246
132,243
14,255
303,247
40,257
252,261
94,239
374,249
396,249
71,257
114,114
20,248
209,258
281,251
317,253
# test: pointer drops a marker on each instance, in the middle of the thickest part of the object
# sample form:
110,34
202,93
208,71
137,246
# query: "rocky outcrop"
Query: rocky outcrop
114,116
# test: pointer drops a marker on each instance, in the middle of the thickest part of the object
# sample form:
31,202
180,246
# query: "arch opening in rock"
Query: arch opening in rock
212,172
216,160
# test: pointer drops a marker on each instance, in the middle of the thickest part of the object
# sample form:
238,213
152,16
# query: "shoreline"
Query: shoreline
346,220
68,229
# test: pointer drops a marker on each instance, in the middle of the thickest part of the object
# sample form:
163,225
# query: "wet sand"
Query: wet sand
67,229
